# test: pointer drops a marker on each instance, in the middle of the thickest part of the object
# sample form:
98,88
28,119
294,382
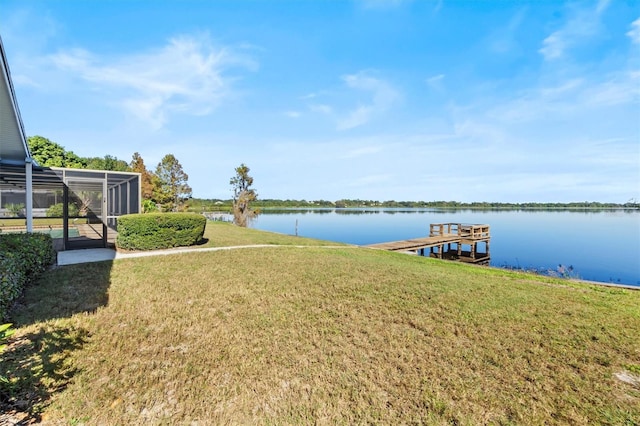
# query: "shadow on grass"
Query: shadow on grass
38,360
37,365
202,242
63,292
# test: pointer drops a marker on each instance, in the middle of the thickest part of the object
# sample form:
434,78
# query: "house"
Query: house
14,152
88,202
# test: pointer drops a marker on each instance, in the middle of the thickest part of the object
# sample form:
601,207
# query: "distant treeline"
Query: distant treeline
197,204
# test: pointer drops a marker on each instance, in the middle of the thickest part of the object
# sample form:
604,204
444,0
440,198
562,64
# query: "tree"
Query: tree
243,196
50,154
108,162
146,177
172,189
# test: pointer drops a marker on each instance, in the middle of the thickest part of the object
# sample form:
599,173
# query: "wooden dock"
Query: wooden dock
451,241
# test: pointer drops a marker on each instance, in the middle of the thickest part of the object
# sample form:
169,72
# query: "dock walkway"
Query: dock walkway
447,241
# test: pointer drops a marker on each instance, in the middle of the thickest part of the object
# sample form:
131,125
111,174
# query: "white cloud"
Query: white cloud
553,46
187,75
602,5
503,39
617,89
436,82
356,118
634,32
574,97
382,4
359,152
383,96
582,25
24,80
292,114
321,108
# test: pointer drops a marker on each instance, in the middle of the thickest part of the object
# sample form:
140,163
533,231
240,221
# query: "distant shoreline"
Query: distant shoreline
198,204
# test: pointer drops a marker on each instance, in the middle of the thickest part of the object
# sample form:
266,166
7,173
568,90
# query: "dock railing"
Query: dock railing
473,232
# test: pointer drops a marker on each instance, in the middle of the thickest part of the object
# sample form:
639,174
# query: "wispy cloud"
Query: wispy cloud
359,152
570,98
381,4
634,32
321,108
436,82
581,26
187,75
292,114
311,95
617,89
383,96
503,39
23,80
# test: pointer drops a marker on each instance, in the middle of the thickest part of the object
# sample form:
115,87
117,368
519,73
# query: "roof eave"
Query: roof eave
14,103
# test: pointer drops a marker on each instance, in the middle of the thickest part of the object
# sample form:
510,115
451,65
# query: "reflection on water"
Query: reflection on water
599,245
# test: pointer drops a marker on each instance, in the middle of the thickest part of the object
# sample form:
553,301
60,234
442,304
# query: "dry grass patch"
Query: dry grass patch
288,336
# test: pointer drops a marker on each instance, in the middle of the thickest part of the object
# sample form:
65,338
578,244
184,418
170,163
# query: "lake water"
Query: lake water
592,245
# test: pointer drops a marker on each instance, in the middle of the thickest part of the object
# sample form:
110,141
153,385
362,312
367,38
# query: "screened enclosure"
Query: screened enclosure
78,207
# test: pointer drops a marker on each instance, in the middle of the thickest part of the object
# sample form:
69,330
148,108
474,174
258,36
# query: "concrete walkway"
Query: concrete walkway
72,257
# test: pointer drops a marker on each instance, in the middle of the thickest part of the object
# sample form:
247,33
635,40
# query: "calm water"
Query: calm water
598,245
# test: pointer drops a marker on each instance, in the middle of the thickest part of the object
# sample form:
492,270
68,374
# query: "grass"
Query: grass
222,234
39,223
21,222
287,335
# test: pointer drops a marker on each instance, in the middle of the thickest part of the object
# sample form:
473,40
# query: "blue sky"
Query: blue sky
373,99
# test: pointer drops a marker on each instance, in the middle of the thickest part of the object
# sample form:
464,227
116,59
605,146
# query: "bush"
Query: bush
56,210
16,210
23,257
5,332
159,230
149,206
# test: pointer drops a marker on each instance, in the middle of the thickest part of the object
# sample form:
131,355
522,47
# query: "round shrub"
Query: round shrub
23,257
55,210
159,230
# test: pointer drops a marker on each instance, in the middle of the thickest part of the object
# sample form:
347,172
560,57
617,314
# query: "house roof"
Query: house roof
12,177
13,142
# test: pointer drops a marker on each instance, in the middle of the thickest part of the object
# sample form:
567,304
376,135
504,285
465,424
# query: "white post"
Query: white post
28,168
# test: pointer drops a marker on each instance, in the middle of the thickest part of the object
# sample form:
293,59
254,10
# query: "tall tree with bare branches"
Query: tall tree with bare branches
243,196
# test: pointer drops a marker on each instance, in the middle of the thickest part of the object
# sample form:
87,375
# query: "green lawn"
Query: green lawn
13,222
222,234
289,335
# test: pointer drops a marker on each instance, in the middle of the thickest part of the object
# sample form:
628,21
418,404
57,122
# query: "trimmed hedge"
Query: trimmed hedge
23,257
159,230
